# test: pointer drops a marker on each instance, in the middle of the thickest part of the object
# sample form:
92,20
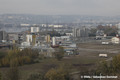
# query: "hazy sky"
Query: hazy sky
61,7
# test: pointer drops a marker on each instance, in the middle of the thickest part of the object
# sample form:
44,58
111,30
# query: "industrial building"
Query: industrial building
13,37
59,40
29,38
80,32
118,26
3,36
34,29
115,40
99,34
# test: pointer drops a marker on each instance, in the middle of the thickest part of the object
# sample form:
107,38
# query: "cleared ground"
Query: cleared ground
88,58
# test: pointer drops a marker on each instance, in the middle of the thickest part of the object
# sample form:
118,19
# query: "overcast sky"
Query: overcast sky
61,7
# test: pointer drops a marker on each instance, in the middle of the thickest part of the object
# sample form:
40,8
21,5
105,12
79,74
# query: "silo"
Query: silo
53,41
29,38
47,38
34,40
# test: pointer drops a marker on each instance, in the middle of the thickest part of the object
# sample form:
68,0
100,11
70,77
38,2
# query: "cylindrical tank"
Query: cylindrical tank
53,41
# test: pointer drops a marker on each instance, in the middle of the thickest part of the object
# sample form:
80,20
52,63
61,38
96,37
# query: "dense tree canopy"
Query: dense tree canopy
109,30
57,74
25,56
59,53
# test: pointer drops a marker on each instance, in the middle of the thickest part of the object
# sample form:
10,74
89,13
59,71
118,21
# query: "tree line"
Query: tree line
25,56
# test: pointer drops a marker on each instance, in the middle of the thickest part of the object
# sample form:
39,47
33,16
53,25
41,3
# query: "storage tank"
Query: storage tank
53,41
29,38
47,38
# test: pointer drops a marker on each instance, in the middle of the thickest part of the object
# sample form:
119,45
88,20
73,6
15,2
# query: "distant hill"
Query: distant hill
39,19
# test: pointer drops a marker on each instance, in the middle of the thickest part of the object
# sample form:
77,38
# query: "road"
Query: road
99,50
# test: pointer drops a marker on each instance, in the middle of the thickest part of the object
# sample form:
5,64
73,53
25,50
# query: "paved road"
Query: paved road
109,59
98,50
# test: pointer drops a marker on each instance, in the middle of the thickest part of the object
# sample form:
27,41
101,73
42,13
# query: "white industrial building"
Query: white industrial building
13,37
29,38
52,25
62,38
69,34
53,41
103,55
115,40
25,44
24,24
34,29
57,26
